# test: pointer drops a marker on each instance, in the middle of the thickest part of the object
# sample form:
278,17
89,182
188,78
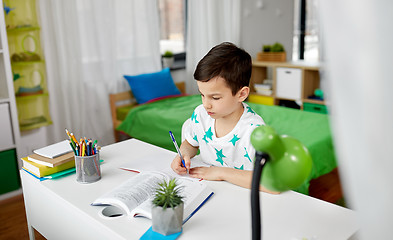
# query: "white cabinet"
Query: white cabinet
9,126
289,83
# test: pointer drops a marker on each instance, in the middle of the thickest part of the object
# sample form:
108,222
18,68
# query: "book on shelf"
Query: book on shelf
51,162
134,196
41,170
54,150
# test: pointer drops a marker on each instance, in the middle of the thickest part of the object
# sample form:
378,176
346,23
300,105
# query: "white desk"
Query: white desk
60,209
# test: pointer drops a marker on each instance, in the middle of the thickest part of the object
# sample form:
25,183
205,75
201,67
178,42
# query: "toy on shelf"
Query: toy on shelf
318,95
25,57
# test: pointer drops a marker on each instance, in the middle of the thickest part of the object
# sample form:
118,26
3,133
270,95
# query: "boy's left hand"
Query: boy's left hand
206,173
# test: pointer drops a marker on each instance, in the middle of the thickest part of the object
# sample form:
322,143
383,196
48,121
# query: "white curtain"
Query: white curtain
358,40
209,23
89,46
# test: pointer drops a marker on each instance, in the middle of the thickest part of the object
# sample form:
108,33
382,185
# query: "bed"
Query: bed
151,122
121,103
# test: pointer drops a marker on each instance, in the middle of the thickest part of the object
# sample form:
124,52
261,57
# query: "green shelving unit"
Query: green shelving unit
27,63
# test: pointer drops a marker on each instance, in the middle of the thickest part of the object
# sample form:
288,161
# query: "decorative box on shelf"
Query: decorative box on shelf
261,99
271,56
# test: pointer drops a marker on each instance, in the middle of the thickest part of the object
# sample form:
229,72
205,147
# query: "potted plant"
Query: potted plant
167,211
272,53
167,59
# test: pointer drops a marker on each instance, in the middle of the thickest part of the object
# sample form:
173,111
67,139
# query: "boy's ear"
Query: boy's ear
243,93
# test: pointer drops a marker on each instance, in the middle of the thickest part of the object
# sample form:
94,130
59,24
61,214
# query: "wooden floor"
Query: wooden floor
14,226
327,187
13,220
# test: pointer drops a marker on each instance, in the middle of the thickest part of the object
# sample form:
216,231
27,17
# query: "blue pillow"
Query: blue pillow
149,86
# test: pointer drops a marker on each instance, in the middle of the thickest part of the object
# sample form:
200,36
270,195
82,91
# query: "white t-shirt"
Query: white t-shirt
232,150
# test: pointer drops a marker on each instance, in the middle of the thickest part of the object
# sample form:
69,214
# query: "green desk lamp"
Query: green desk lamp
286,164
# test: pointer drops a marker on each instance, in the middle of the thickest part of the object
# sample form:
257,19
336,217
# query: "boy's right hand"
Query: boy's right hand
178,167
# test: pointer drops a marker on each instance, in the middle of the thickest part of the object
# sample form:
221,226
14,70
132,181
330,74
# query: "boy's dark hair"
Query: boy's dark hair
228,61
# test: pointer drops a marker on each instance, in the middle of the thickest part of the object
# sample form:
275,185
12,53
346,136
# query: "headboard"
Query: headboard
126,99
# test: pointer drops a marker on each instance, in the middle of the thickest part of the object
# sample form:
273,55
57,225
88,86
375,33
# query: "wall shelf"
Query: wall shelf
22,29
290,81
31,97
314,101
24,63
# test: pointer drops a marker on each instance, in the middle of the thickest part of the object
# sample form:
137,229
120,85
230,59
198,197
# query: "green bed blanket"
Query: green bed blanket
152,122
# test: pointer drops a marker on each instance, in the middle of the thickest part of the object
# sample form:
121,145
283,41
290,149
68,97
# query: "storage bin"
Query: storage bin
9,171
317,108
261,99
33,111
289,83
24,45
21,13
29,78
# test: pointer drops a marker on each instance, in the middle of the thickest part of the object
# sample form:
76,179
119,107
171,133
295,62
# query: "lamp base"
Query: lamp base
260,161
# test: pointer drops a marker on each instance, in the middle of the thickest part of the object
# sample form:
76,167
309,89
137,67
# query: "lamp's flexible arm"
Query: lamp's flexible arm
286,164
260,160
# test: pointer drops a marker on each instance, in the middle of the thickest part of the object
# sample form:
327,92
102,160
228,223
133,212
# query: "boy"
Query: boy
221,127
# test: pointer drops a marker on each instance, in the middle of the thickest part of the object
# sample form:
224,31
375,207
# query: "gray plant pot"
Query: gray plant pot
167,61
168,221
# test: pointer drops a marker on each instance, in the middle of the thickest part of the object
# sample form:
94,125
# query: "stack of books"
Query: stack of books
50,162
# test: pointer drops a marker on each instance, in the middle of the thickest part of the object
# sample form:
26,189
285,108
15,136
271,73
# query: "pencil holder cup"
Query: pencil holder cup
88,168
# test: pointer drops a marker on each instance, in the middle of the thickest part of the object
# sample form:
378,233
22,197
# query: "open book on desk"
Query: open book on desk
135,195
150,163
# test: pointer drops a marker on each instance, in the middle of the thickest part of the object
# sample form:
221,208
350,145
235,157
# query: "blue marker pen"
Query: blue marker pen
178,150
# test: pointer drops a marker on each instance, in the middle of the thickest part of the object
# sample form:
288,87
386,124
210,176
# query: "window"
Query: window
306,36
173,25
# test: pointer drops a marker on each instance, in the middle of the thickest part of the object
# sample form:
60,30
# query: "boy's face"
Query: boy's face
218,100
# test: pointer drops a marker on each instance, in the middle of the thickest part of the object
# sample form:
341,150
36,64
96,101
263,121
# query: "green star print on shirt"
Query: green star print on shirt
232,150
249,110
208,134
193,117
234,139
240,168
246,155
220,155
